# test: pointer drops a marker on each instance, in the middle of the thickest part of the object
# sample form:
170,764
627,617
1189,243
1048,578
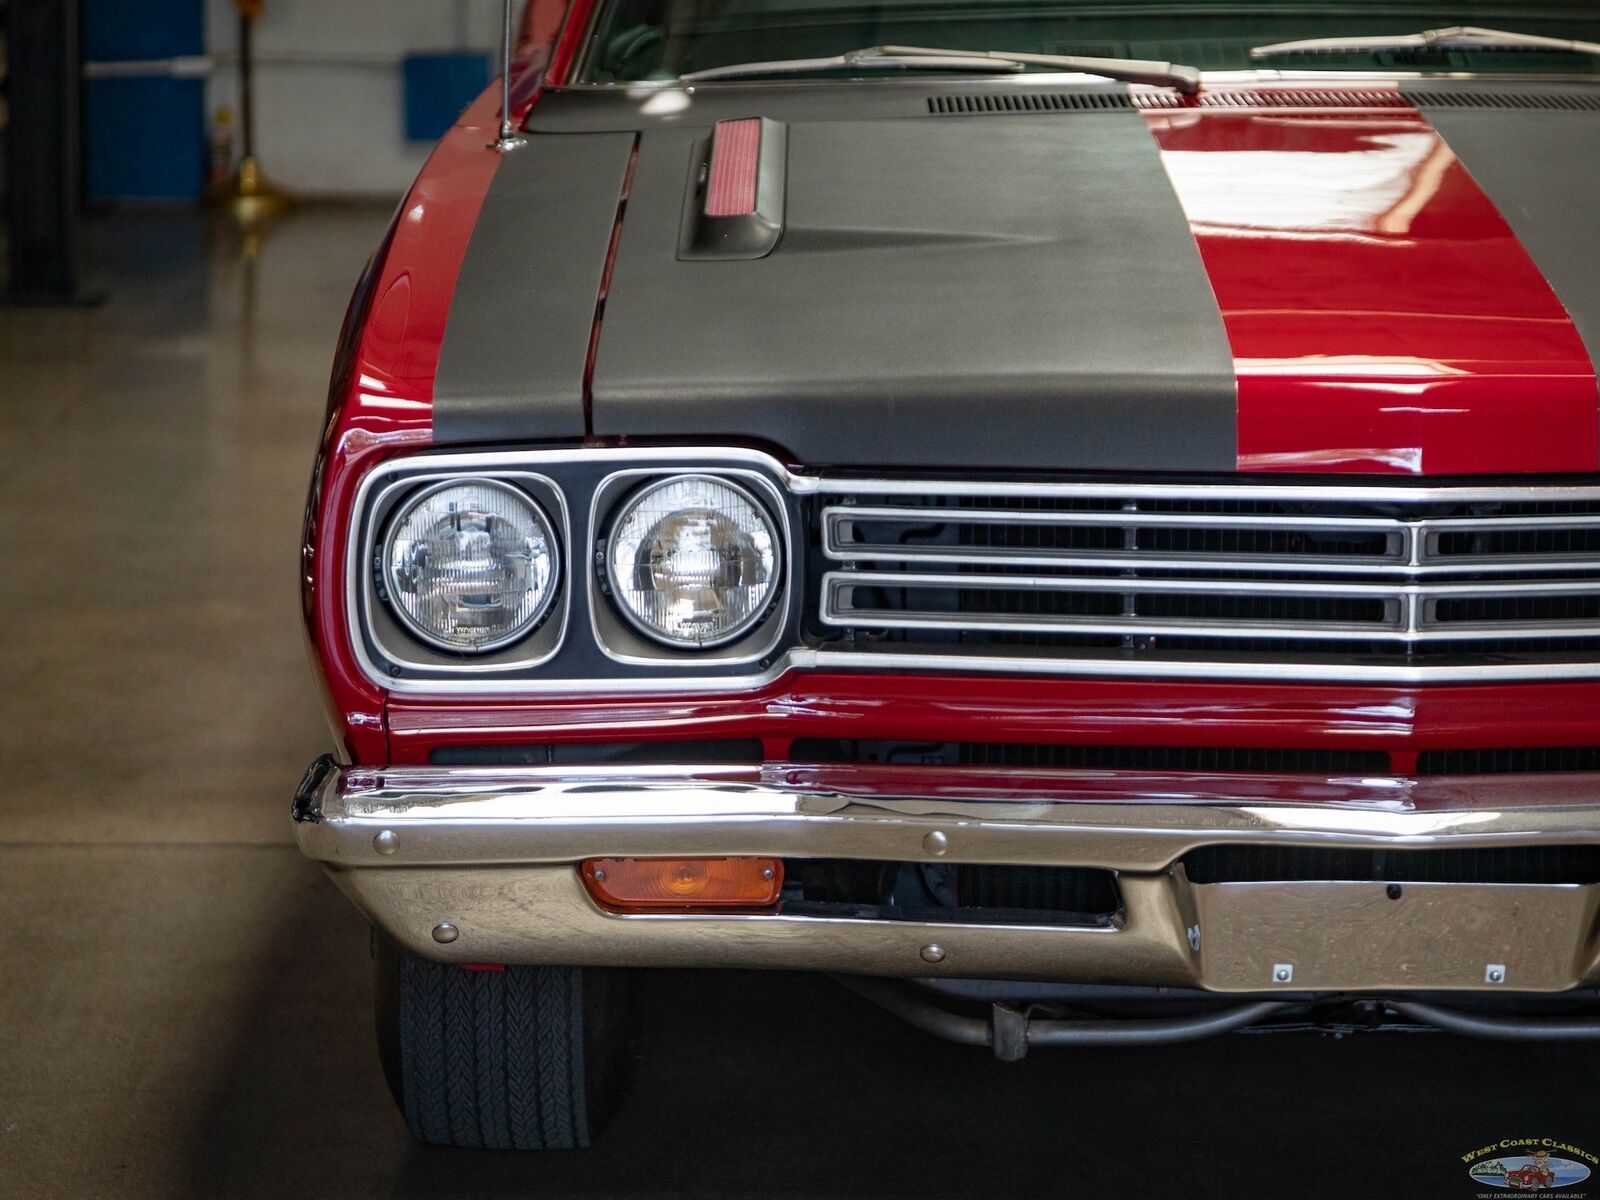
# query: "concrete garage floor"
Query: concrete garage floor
183,1000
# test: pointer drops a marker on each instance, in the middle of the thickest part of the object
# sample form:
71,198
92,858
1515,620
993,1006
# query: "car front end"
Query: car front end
1084,562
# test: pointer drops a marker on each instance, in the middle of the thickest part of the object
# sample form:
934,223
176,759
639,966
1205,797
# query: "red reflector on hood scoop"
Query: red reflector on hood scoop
735,165
736,191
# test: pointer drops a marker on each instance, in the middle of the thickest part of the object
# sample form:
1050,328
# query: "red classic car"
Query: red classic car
1531,1177
1088,550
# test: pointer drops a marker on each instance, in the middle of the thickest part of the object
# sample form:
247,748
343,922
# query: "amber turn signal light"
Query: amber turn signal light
656,883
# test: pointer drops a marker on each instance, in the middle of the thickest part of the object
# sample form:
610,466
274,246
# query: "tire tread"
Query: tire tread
492,1059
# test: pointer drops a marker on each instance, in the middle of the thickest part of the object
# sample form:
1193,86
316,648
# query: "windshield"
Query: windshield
662,39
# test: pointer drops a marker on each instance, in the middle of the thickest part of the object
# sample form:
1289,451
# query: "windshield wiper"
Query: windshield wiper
1455,37
874,58
1128,70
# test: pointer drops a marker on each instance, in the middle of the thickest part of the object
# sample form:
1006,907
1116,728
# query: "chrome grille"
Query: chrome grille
1434,583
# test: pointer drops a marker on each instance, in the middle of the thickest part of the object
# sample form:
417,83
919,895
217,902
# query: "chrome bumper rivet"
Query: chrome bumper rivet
1283,973
1495,973
386,842
933,953
935,842
445,933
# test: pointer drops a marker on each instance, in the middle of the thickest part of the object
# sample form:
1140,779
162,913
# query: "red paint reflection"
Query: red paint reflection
1382,314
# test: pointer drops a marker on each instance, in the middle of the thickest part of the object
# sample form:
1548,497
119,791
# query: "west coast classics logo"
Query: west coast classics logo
1531,1165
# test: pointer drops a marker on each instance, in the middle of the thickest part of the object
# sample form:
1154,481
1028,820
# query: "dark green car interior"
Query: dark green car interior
662,39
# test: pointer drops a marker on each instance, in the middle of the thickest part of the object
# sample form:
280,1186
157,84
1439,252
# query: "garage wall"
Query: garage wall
329,101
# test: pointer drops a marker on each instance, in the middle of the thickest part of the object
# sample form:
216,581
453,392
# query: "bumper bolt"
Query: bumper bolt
933,953
445,933
1283,973
386,842
936,842
1495,973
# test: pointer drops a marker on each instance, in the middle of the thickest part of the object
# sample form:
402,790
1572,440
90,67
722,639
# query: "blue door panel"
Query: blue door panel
144,135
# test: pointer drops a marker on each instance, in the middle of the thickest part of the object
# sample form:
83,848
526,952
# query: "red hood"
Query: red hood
1383,315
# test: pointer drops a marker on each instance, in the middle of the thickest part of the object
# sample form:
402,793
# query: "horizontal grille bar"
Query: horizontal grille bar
1216,542
1329,577
1356,497
1152,607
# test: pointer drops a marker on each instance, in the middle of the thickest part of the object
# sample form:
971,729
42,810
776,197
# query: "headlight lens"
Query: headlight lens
470,566
693,561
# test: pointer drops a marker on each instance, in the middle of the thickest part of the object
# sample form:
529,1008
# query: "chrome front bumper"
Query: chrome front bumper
491,853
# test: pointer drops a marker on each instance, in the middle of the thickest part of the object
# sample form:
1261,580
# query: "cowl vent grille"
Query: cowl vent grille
1545,101
1029,102
1276,98
1261,98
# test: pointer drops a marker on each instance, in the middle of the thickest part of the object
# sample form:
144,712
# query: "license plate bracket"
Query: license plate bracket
1357,936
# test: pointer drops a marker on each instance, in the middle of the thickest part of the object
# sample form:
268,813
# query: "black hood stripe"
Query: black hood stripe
1541,168
512,364
959,292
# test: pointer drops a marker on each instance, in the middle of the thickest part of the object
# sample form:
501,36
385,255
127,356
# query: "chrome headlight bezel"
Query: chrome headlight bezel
527,625
392,652
584,647
776,534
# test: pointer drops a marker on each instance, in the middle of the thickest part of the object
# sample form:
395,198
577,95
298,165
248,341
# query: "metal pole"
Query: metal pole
247,106
508,139
251,197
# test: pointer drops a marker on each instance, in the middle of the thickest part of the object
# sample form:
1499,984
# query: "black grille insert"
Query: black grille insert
1512,610
1035,889
1520,543
1298,864
1528,760
949,892
1210,759
592,754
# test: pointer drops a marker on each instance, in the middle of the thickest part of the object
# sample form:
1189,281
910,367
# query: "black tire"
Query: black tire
519,1058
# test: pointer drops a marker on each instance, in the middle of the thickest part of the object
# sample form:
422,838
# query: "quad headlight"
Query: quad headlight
693,561
470,565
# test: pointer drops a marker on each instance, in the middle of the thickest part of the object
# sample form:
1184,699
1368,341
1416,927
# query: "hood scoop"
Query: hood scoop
734,206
